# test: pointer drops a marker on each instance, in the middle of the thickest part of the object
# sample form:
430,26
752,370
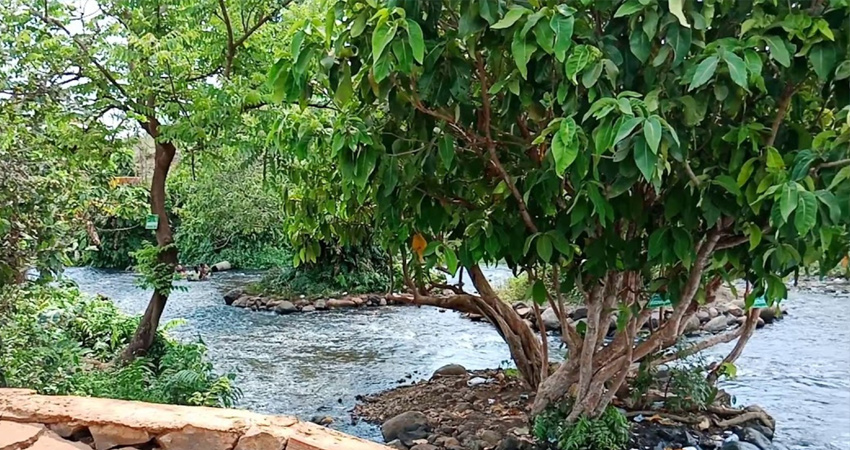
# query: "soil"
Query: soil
488,409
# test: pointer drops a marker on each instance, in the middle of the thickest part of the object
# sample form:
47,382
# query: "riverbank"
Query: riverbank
488,409
240,298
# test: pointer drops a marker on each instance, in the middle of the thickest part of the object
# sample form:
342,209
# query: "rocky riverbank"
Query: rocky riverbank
488,410
727,311
241,299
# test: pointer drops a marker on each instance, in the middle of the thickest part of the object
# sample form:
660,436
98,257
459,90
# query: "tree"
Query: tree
178,71
621,149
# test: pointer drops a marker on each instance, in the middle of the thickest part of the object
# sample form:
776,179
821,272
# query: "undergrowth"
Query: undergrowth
57,341
609,431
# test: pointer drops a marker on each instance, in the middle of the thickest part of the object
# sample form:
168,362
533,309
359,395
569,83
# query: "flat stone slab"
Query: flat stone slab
16,436
172,426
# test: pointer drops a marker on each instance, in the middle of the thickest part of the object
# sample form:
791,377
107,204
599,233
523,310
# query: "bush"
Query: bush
59,342
610,431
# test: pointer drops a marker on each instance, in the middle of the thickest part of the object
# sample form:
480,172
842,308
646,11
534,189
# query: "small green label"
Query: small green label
760,302
152,222
657,302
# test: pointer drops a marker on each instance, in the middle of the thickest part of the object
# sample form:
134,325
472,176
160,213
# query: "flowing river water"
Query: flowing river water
313,364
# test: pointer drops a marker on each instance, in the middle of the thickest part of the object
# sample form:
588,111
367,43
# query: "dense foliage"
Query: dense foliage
629,148
57,341
610,431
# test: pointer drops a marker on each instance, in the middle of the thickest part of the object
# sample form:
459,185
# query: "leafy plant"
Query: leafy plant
609,431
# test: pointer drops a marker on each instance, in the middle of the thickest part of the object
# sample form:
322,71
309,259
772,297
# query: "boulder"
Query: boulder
424,447
692,326
703,316
51,441
450,370
735,310
241,302
232,295
308,308
358,301
713,312
579,313
716,324
221,266
285,307
257,439
382,301
190,438
396,444
107,436
321,304
550,320
19,435
770,314
405,426
344,303
738,445
523,312
755,437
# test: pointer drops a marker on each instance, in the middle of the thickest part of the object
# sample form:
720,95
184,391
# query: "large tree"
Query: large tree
183,73
616,148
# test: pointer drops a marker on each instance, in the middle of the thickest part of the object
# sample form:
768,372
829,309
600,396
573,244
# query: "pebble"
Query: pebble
476,381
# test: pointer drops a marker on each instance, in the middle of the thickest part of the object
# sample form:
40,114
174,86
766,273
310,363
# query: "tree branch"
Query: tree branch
230,52
783,104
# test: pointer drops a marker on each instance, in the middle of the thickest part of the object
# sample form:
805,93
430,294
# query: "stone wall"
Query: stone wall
41,422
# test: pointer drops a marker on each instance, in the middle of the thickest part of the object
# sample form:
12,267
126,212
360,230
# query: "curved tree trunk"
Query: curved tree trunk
146,332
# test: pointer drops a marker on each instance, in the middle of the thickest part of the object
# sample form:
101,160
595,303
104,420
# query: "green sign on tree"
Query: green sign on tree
152,222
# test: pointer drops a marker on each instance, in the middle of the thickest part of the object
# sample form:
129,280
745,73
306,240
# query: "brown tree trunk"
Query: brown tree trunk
146,332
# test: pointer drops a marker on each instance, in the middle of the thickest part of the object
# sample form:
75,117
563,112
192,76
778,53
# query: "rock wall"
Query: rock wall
41,422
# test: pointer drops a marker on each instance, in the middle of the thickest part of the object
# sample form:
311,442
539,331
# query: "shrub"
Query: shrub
609,431
59,342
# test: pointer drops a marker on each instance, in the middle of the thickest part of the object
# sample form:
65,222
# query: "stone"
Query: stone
396,444
285,307
766,431
322,420
51,441
735,310
716,324
738,445
424,447
692,325
308,308
110,435
358,301
510,442
550,320
446,441
190,438
344,303
257,439
713,312
755,437
490,437
523,312
241,302
66,430
760,323
770,314
382,301
450,370
579,313
409,423
476,381
232,295
321,304
19,435
703,316
221,266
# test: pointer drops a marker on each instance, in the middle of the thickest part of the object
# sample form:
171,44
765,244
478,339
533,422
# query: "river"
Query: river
316,363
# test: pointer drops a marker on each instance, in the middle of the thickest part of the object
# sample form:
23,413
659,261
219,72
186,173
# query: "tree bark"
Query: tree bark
146,332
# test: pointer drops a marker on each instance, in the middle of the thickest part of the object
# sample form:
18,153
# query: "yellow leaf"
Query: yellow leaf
419,244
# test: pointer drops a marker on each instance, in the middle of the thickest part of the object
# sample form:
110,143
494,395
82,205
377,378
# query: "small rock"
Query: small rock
221,266
760,323
713,312
703,316
450,370
550,320
769,314
692,325
382,302
579,313
716,324
241,302
110,435
767,432
406,425
735,310
738,445
308,308
396,444
476,381
344,303
285,307
322,420
232,295
321,304
447,442
423,447
490,437
475,317
523,312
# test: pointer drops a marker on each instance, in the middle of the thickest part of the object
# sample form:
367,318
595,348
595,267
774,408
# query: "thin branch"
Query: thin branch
783,104
230,52
833,164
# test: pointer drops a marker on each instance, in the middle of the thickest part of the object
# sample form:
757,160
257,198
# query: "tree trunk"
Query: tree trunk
146,332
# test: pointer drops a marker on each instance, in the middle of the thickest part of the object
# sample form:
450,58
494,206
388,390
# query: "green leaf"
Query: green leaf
590,77
737,69
753,61
577,62
510,18
778,50
531,22
754,232
417,42
451,260
802,162
656,242
447,150
729,184
565,146
680,39
842,175
705,71
806,213
645,159
359,24
626,128
521,50
560,243
544,247
538,292
628,8
683,245
640,47
563,28
382,36
344,89
823,58
545,37
746,172
296,44
842,71
676,9
828,199
774,159
528,241
652,133
788,200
